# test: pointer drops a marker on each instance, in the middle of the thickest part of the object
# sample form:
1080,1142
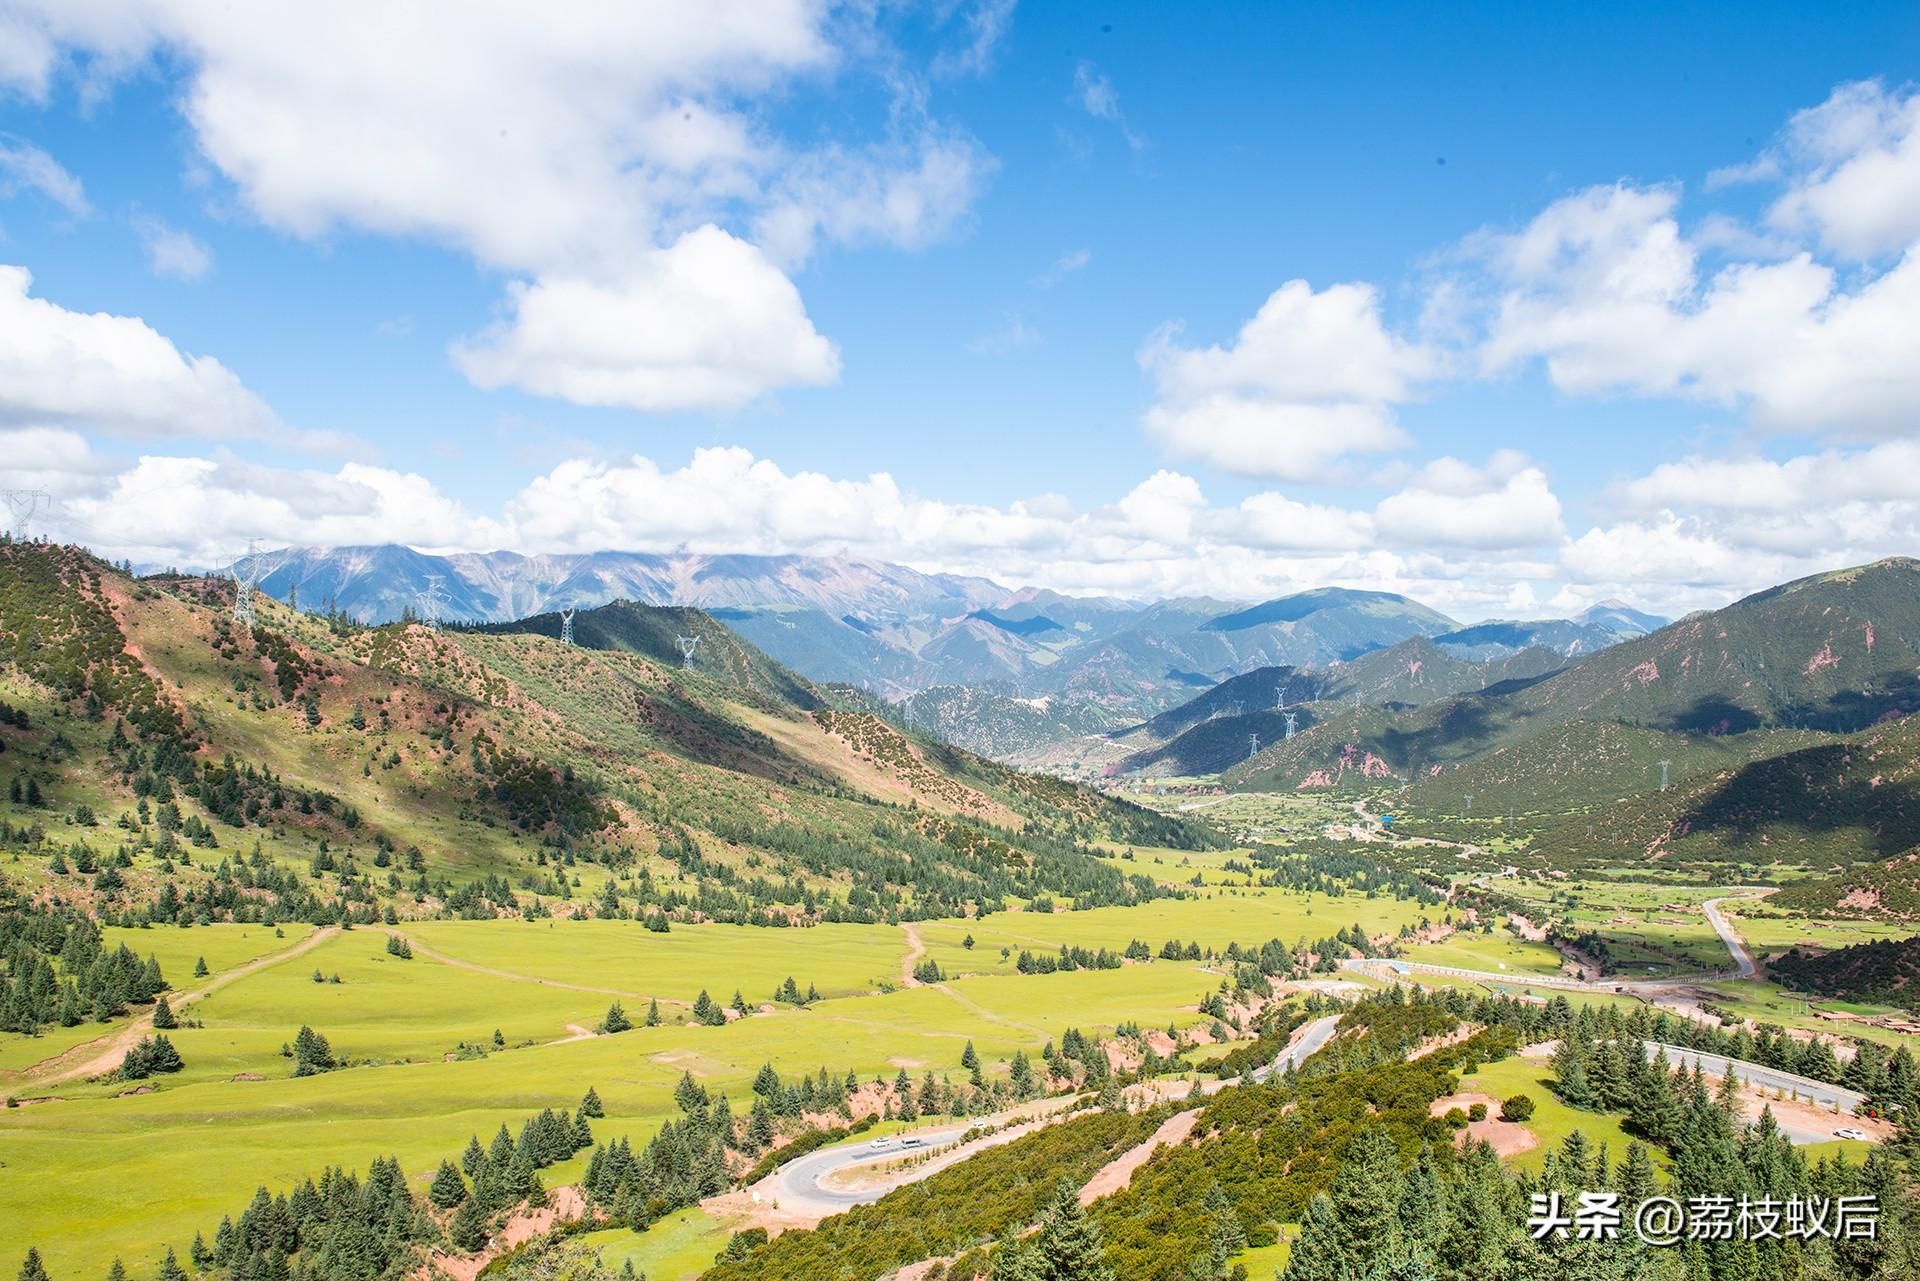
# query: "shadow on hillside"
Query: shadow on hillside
1818,791
1888,695
1464,727
1714,716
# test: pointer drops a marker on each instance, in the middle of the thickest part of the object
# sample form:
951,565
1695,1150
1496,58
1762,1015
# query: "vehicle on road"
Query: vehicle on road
911,1142
881,1145
1848,1132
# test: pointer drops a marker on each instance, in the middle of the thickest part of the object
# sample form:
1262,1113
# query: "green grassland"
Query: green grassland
92,1176
1552,1120
1215,918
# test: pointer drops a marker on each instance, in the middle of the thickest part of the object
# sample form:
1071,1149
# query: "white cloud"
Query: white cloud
1161,538
559,145
1312,377
906,195
25,167
986,23
1506,505
1062,267
1014,336
1095,94
1853,170
705,324
172,252
115,374
1604,287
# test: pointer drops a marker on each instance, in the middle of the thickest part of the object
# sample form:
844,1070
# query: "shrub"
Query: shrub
1456,1119
1517,1108
1478,1112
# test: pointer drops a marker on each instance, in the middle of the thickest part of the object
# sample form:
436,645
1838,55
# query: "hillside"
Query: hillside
1885,972
430,772
1836,652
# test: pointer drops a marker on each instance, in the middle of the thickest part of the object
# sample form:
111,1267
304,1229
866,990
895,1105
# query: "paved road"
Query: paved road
1307,1040
1744,967
802,1183
1820,1093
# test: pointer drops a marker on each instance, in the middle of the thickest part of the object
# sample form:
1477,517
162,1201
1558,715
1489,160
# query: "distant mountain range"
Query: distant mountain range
1057,664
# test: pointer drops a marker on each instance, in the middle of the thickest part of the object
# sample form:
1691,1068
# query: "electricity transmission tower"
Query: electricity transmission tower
1291,718
1663,774
688,644
432,597
245,573
1469,804
566,625
26,504
1253,746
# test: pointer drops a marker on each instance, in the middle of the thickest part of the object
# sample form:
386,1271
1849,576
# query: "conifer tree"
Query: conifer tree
31,1269
590,1104
653,1014
468,1230
616,1020
170,1269
163,1015
448,1189
1068,1246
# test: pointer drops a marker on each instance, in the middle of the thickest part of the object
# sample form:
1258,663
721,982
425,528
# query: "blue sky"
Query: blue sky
1550,306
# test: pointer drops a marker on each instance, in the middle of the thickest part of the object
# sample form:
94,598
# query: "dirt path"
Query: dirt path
103,1054
458,964
916,950
1118,1173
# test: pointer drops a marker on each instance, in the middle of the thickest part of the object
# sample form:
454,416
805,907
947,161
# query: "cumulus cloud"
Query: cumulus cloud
1507,504
1852,165
1163,537
707,323
117,374
1311,378
1604,287
554,146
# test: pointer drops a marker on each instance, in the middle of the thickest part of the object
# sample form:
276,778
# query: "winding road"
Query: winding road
808,1184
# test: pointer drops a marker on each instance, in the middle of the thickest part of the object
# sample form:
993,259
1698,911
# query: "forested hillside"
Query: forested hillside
344,772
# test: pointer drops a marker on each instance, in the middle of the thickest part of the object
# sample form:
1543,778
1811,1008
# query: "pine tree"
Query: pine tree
200,969
170,1269
118,1271
448,1189
653,1014
1068,1243
31,1269
469,1227
616,1020
590,1104
163,1016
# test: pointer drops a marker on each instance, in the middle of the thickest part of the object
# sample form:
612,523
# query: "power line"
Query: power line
245,573
432,597
26,504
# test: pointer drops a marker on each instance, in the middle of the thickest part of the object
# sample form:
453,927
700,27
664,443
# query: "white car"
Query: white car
881,1145
1848,1132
